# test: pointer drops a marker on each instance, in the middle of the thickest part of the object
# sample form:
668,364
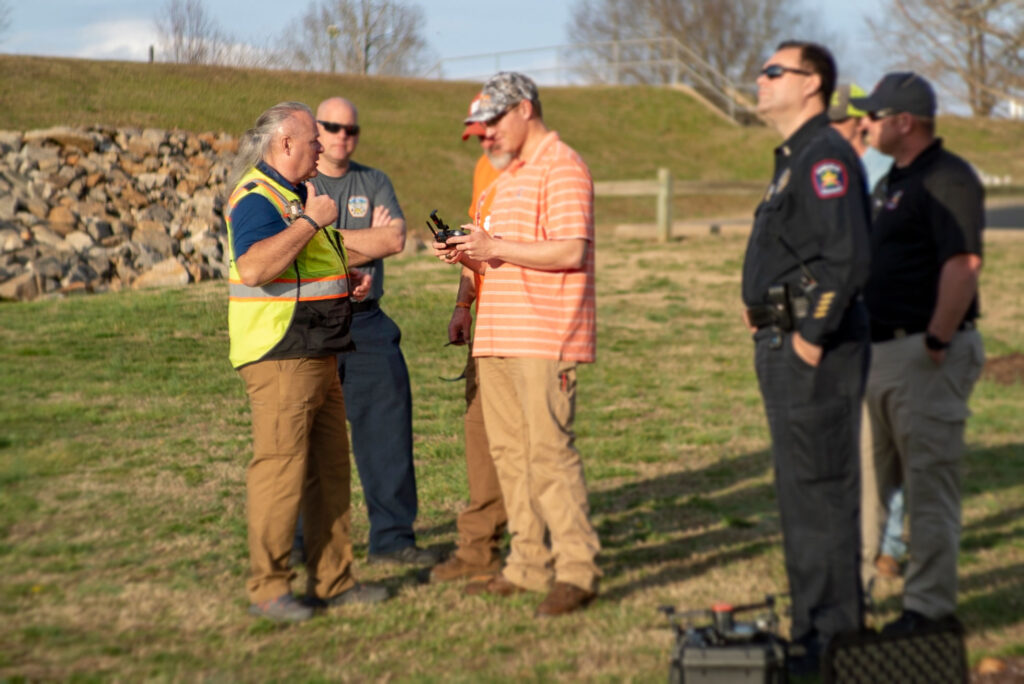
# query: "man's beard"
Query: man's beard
499,161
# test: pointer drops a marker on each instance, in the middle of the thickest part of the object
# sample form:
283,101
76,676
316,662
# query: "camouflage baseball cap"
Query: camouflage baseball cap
502,91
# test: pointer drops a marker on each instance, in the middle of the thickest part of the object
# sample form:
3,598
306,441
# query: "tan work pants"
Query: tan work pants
529,406
913,434
300,454
482,523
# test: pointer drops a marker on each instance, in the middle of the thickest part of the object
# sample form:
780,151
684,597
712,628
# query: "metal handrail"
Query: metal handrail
698,70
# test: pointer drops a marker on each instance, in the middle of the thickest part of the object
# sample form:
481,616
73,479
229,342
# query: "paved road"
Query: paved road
1005,215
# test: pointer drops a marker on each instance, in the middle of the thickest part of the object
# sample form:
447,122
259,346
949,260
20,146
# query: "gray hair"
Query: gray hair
256,142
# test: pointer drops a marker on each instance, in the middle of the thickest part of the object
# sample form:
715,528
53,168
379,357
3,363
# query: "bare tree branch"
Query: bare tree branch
5,17
731,37
360,36
187,34
973,49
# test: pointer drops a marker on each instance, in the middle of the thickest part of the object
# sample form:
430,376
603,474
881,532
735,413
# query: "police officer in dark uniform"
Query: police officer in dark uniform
806,263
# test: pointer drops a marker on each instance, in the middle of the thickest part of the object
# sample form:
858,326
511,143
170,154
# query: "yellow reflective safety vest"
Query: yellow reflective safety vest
306,310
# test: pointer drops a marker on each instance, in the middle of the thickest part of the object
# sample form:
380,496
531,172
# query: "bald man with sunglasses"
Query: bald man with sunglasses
374,377
806,262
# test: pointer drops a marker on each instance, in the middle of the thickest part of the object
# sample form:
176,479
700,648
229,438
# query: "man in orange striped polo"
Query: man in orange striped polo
535,323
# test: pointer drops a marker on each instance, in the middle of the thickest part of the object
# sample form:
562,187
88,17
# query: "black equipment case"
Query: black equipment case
929,655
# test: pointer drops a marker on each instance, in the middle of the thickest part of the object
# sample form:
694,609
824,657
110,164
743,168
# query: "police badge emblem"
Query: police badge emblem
829,178
358,206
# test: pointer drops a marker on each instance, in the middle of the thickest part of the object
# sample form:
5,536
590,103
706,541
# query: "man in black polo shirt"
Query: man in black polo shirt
806,262
926,354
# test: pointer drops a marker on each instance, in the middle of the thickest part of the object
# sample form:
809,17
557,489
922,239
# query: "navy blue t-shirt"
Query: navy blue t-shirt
256,218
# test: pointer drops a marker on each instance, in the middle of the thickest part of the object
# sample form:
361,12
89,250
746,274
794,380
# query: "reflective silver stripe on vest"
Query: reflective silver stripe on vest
287,289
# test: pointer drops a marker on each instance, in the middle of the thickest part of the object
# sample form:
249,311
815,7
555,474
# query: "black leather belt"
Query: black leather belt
365,305
883,333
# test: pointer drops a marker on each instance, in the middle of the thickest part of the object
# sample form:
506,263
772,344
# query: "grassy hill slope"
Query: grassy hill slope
412,127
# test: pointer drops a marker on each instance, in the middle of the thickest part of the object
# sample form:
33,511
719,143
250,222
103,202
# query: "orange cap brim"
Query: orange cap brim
474,128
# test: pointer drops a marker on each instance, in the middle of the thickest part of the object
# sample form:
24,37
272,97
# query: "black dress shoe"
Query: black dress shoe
804,667
803,662
410,555
910,621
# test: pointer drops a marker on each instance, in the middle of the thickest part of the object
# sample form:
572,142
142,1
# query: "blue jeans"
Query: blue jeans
378,401
892,538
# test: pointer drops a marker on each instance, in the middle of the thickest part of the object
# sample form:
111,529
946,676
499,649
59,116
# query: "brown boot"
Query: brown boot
564,598
497,585
457,569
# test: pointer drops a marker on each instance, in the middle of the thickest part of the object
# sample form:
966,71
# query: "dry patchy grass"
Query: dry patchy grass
124,557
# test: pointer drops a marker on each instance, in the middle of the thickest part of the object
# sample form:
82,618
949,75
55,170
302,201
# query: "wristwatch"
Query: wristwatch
316,226
933,342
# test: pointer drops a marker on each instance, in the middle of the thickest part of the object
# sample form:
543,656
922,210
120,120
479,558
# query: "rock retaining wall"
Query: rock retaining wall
97,209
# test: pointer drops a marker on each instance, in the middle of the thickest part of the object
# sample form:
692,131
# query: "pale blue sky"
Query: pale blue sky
123,29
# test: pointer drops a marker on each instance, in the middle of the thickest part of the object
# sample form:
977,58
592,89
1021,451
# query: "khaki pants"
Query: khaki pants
529,406
913,434
300,454
482,523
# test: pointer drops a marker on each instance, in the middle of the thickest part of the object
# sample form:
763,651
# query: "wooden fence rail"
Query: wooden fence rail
664,189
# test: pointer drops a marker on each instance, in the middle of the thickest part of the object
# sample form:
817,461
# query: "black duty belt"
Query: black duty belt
783,312
365,305
883,333
762,316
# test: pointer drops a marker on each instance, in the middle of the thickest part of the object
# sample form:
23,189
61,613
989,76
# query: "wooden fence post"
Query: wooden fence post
664,204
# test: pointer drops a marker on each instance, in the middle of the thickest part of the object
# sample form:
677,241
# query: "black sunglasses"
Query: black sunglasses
493,121
774,71
882,113
331,127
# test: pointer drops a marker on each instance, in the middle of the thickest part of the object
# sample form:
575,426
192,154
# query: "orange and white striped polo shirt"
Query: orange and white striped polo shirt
526,312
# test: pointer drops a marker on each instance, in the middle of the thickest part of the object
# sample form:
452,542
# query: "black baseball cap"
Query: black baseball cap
900,91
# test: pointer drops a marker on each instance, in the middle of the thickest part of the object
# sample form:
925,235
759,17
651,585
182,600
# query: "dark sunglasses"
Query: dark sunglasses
493,121
331,127
774,71
882,113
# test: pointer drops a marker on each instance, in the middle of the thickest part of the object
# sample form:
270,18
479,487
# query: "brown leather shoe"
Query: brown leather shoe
457,569
887,566
497,585
564,598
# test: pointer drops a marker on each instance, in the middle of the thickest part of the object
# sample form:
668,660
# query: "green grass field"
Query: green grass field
124,436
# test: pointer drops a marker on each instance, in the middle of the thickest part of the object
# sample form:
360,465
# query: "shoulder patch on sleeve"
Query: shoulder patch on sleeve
830,178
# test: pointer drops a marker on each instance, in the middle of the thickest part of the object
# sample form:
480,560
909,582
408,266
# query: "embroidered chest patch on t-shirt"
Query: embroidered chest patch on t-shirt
358,206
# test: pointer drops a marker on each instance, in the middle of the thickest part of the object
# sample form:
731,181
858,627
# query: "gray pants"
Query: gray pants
913,434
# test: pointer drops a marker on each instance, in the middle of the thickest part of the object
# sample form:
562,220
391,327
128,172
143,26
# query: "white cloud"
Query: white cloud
127,39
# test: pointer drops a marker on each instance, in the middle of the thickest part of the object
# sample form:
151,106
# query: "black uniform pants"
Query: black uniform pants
814,419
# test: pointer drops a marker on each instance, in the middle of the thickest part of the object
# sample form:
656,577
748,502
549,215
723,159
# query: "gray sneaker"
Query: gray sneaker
409,555
284,608
360,593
